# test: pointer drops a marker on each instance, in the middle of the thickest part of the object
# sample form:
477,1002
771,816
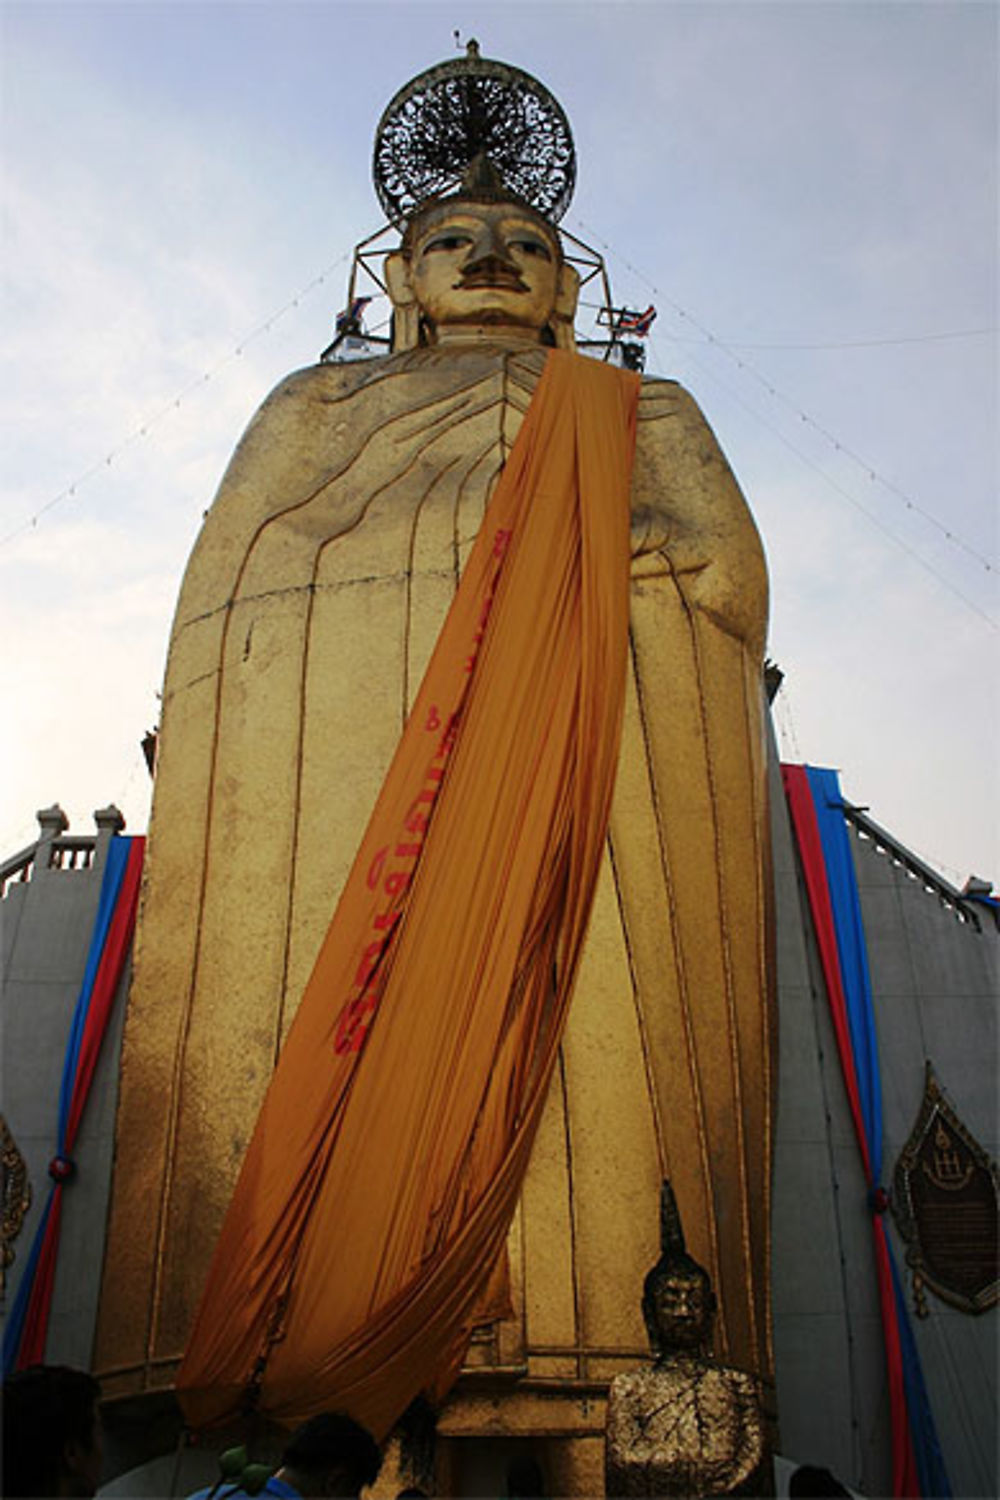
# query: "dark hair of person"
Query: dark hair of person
333,1440
810,1481
524,1480
45,1408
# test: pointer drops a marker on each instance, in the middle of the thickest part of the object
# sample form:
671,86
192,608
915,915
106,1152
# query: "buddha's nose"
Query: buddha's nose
491,265
489,252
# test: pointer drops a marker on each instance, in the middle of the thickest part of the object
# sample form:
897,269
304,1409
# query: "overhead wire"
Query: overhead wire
787,729
950,336
846,494
728,348
142,431
783,707
708,337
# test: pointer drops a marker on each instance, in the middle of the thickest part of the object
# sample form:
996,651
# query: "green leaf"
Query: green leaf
255,1476
233,1462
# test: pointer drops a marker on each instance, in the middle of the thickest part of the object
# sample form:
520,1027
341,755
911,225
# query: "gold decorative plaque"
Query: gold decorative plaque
946,1201
16,1199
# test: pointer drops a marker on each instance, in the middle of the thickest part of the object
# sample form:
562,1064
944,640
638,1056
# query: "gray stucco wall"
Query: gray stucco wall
934,983
934,978
46,924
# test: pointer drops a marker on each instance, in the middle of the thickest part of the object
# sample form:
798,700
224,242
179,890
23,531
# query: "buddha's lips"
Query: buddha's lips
503,280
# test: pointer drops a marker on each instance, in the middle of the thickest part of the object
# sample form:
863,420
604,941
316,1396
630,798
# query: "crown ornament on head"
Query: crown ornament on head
482,181
671,1230
478,128
673,1250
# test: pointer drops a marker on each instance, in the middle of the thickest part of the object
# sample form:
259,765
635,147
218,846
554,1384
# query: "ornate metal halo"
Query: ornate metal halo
438,122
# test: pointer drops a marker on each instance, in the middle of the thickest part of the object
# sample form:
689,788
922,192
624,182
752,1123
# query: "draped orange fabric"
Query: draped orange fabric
381,1178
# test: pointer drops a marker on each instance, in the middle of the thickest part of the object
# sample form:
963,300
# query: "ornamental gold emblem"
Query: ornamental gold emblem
16,1199
946,1201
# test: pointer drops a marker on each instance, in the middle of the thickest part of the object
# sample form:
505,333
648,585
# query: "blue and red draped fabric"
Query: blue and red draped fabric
816,807
27,1325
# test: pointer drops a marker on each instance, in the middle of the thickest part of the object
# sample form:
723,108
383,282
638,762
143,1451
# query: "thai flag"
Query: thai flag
638,323
350,319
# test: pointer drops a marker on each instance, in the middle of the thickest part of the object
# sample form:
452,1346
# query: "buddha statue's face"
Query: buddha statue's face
682,1307
491,267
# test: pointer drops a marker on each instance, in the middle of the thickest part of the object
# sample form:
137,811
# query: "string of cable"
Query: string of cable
917,338
707,336
730,350
845,494
142,431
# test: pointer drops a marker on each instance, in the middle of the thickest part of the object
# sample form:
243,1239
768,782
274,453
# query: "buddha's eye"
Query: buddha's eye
532,247
448,242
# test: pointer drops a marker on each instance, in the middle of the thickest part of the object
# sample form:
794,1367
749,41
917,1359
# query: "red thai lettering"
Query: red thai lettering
448,738
355,1019
375,868
369,961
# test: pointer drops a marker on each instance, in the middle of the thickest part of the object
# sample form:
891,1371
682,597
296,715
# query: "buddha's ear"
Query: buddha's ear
397,278
567,295
405,310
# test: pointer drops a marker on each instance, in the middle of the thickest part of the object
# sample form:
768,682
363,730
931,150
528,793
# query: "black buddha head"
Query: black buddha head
678,1304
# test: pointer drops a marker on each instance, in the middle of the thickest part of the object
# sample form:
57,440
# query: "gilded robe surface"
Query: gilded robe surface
308,612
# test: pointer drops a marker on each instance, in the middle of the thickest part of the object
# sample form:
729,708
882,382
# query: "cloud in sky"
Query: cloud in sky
818,175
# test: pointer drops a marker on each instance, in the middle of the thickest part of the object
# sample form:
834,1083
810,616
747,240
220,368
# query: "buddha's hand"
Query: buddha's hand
689,521
649,531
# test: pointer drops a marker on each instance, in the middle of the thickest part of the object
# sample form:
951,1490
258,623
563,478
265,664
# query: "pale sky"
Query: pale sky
810,188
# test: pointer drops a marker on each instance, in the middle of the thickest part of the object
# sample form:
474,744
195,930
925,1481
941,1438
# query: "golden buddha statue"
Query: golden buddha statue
683,1425
309,609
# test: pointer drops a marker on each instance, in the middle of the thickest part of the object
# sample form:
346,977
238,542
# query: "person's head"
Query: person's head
678,1304
331,1454
524,1480
814,1483
52,1441
481,262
